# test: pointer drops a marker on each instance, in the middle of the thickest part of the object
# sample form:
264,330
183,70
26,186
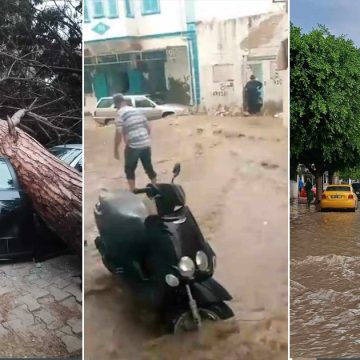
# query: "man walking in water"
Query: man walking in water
132,126
253,95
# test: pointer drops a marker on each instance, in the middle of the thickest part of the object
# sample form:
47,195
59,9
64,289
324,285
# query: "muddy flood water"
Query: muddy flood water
234,171
325,283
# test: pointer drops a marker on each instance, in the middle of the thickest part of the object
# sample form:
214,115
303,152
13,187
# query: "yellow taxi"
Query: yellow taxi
339,197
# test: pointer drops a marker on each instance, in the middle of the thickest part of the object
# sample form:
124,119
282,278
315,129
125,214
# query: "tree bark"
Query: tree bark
54,188
319,186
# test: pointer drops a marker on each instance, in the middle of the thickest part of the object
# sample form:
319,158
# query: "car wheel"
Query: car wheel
167,114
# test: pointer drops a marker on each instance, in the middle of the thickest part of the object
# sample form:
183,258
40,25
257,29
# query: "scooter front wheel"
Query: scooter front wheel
185,322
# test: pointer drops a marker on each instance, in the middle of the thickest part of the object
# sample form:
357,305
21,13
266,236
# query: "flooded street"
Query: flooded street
234,172
325,278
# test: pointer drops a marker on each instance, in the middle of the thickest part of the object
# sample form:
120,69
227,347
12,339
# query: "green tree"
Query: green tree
351,173
324,101
41,92
41,58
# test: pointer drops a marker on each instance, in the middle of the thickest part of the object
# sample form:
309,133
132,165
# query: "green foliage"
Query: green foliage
41,57
352,173
324,99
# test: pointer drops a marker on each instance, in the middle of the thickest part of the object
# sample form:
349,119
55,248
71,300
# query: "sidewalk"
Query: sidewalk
40,308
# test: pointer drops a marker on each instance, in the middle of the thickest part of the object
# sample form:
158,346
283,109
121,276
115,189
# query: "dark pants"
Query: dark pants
254,105
132,157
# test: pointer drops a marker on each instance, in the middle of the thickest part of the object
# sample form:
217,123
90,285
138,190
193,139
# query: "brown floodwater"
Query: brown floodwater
325,283
234,172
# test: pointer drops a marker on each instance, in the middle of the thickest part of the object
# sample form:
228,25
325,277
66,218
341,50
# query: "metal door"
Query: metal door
100,85
257,70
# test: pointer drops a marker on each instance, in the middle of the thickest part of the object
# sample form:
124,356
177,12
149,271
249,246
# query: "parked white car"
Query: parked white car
105,111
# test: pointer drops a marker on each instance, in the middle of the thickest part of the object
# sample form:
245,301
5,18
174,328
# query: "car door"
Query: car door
15,213
356,187
105,109
148,107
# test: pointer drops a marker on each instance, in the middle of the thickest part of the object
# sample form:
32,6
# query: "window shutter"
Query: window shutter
86,12
98,8
129,8
113,9
151,6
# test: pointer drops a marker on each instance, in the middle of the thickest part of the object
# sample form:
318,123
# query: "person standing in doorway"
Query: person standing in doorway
132,126
309,192
253,95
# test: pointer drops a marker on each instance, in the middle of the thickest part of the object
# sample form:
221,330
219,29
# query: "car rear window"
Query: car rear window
143,103
157,100
66,155
338,188
6,180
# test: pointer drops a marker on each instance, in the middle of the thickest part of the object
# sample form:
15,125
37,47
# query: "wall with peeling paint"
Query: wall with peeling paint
249,44
177,69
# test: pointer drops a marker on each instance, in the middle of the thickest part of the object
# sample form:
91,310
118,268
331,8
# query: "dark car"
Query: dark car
71,154
356,187
16,215
23,234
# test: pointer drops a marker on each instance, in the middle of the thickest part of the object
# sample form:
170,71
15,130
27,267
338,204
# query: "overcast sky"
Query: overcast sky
341,17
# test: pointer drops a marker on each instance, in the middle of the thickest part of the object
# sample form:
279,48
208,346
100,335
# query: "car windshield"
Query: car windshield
338,188
67,155
356,186
156,99
6,180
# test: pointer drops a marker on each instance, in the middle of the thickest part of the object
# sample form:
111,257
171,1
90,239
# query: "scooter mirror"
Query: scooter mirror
176,170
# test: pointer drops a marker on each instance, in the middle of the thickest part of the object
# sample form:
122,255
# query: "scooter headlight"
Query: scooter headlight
202,261
172,280
186,267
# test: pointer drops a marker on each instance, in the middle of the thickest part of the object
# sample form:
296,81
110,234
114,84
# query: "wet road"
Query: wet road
325,283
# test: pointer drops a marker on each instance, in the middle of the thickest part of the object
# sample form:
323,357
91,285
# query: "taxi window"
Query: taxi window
338,188
6,180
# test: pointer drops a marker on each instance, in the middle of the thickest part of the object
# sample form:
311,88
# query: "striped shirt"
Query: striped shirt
133,125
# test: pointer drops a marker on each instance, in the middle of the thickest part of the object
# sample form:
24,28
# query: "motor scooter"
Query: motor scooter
162,257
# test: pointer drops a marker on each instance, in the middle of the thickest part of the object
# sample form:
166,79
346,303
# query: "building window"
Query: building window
129,8
113,11
86,12
150,7
98,7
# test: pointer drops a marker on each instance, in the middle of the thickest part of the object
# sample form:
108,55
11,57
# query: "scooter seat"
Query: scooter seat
120,219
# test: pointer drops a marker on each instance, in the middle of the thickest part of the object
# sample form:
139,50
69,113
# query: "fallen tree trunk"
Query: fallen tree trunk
54,188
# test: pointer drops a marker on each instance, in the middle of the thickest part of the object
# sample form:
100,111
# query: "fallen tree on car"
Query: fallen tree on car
54,188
